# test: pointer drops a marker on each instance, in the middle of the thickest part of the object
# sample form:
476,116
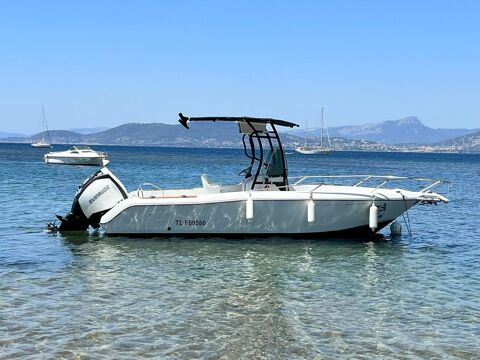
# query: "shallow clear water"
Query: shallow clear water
100,297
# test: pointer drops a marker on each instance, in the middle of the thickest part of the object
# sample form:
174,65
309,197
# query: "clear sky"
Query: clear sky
104,63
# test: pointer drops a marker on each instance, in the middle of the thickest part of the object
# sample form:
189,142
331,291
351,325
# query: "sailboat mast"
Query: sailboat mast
45,127
326,130
321,131
43,124
306,131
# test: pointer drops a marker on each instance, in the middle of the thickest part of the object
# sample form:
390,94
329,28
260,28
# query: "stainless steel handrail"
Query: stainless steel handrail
365,178
156,187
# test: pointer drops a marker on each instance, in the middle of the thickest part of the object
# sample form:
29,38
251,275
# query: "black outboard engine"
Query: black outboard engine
98,194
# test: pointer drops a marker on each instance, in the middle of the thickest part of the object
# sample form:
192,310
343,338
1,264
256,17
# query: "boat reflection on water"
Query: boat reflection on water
79,237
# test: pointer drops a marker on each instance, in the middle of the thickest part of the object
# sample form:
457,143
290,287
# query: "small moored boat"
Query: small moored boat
265,202
42,143
77,155
316,149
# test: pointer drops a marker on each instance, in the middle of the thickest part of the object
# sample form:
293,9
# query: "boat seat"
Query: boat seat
273,170
210,188
274,165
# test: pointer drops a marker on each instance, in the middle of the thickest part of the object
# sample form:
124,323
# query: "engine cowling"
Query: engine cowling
98,194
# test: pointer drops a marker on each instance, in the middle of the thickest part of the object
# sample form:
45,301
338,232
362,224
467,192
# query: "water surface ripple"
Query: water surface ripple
89,295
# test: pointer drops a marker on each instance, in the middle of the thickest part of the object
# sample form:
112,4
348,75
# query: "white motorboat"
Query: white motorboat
77,155
265,202
43,143
316,149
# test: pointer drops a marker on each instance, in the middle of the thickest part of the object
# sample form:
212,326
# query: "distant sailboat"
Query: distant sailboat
42,143
318,149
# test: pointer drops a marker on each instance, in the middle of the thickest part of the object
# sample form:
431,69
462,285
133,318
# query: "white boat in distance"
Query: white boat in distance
42,143
318,149
77,155
265,202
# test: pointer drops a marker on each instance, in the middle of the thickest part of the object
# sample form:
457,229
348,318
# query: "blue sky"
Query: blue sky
104,63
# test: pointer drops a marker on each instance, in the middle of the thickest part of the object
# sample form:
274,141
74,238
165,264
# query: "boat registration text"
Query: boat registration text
191,222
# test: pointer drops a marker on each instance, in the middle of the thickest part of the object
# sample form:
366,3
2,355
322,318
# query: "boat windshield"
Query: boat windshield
81,148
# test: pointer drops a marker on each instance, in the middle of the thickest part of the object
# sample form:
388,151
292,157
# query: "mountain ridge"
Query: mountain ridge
466,143
408,130
90,130
223,134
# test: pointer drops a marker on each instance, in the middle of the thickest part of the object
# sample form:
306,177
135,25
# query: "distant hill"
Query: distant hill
4,135
199,134
56,137
86,131
409,130
154,134
466,143
222,134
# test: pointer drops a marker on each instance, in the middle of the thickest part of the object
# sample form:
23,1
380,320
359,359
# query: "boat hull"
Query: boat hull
65,160
357,232
270,217
36,145
313,151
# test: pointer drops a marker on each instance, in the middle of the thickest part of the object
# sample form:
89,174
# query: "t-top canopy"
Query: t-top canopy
184,119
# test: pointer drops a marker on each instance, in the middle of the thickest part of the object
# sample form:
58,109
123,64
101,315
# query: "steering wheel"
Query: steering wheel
246,172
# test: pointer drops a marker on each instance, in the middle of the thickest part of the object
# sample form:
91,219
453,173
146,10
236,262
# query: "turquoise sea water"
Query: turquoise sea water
88,295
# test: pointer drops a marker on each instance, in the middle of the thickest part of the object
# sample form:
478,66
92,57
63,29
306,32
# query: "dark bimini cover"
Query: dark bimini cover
184,119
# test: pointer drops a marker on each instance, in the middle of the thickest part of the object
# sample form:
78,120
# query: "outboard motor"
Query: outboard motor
98,194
